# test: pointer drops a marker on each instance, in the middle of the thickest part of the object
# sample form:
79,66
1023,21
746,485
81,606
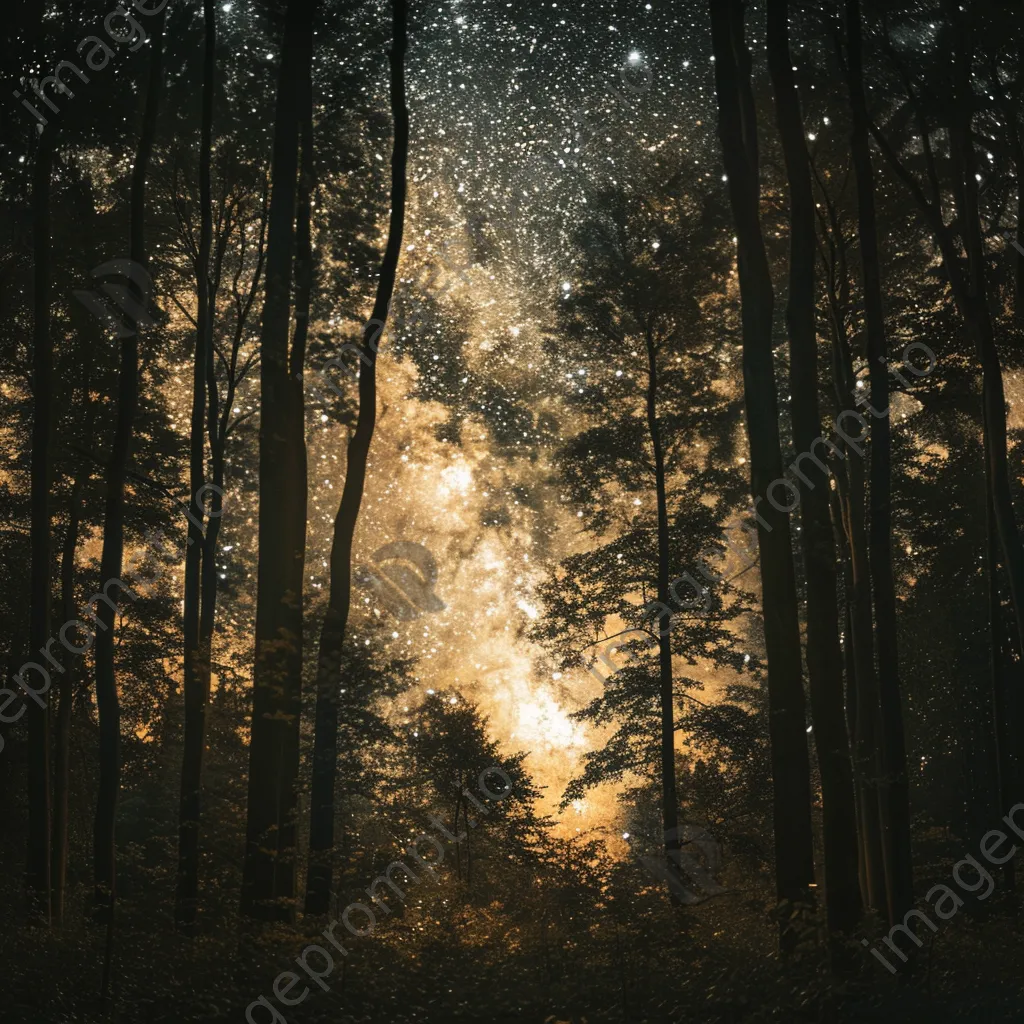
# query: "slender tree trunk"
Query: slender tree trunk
1011,112
268,885
971,294
865,731
320,868
332,636
862,709
893,788
669,795
38,853
65,701
455,831
850,668
1004,700
824,656
11,665
218,430
983,719
865,711
840,512
794,856
196,669
107,704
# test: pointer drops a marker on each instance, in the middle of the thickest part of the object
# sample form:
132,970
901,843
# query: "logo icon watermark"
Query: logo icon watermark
120,308
401,576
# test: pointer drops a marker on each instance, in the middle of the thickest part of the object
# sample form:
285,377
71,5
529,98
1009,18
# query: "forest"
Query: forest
511,511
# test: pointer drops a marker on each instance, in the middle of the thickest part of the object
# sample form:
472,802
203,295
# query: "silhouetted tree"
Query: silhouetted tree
794,857
269,876
895,808
197,653
645,474
824,657
111,559
336,618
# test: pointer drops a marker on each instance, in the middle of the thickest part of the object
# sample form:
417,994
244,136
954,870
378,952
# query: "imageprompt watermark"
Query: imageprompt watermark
947,902
323,967
96,59
371,334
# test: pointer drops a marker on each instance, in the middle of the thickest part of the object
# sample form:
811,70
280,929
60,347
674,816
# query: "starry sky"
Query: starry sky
518,112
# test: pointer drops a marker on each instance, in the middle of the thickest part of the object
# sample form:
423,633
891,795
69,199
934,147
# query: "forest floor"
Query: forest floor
720,969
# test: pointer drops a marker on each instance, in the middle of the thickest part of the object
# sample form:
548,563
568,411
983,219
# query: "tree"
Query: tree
29,29
958,234
851,528
197,653
336,618
824,657
269,868
76,513
451,756
40,584
642,472
794,858
215,267
895,808
107,701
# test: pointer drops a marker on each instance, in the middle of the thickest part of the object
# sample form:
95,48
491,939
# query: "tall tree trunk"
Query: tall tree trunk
669,795
38,853
320,870
11,666
107,704
196,668
865,728
268,884
1011,112
332,636
824,656
65,701
1005,702
971,292
794,854
862,706
841,510
893,787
